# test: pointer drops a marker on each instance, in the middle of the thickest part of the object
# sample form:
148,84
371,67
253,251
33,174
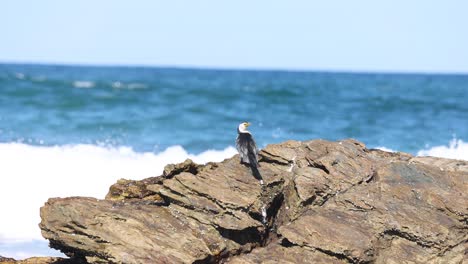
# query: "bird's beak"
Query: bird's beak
247,124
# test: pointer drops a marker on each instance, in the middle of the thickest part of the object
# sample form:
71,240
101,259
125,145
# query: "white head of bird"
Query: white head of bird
243,127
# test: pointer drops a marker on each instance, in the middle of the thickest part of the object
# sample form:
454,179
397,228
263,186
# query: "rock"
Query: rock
6,260
322,202
37,260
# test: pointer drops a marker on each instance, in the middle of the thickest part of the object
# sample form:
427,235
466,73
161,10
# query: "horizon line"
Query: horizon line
233,68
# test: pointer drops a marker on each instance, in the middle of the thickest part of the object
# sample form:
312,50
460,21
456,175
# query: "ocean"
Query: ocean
75,130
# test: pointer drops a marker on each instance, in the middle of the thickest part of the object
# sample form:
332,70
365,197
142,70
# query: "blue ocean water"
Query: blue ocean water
75,130
150,109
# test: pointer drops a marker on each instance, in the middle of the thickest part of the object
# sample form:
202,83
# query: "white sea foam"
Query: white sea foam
36,248
117,85
385,149
457,149
129,86
83,84
29,175
20,75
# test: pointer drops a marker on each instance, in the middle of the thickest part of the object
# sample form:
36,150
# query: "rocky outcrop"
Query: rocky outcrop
6,260
321,202
37,260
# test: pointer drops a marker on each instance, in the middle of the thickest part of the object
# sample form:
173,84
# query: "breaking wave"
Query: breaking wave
32,174
456,149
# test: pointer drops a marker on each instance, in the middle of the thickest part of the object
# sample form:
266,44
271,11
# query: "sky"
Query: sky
335,35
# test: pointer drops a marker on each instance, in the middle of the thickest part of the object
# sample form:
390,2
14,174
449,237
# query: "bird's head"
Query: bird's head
243,127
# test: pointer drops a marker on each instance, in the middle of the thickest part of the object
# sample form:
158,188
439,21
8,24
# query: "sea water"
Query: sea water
74,130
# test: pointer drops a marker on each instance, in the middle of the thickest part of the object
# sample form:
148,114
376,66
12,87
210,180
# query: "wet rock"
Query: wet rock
324,202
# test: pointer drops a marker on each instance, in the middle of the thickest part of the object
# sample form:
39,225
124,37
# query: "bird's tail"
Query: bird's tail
253,160
256,173
254,167
253,164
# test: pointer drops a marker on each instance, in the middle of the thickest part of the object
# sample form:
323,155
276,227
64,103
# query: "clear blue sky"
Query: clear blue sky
360,35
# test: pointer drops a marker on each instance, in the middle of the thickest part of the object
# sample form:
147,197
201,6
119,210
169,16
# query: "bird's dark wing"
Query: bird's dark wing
253,146
247,148
242,145
252,152
250,148
248,152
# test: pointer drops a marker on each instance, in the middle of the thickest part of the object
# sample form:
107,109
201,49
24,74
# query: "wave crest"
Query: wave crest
83,84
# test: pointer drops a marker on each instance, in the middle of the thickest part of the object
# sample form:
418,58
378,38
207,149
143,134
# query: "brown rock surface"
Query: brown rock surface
325,202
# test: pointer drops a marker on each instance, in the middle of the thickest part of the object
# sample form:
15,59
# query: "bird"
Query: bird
247,149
